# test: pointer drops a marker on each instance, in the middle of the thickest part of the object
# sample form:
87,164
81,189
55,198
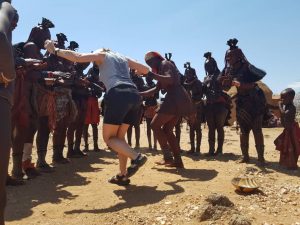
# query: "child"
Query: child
288,142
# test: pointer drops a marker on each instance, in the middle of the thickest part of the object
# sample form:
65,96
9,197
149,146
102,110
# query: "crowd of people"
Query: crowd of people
49,93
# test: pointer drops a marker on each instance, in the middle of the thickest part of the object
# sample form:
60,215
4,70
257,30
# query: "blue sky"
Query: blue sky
268,30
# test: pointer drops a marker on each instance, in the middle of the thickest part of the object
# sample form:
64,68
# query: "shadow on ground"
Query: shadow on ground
135,196
191,174
49,188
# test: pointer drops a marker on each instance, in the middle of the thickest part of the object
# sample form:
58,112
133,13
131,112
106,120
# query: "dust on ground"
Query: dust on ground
78,193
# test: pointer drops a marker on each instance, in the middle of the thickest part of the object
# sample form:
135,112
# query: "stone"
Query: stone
210,212
237,219
284,191
219,200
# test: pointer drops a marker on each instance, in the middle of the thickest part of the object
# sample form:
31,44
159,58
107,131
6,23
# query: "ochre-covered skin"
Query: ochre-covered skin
7,67
194,87
216,110
251,102
288,141
150,107
25,129
177,103
211,67
7,75
75,128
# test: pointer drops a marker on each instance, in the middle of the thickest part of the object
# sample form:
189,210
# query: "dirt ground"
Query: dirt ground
78,193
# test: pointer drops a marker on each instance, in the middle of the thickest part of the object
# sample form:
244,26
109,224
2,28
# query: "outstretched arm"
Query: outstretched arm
140,68
150,92
166,79
73,56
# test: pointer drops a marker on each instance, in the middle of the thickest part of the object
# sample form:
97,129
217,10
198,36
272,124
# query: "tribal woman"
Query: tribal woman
177,103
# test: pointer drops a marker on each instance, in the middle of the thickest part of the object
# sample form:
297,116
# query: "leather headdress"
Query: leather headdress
73,45
46,24
207,54
61,36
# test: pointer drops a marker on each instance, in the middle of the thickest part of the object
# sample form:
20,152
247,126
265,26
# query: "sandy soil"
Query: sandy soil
78,193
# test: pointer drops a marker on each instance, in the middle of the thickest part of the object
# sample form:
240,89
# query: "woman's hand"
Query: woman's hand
49,46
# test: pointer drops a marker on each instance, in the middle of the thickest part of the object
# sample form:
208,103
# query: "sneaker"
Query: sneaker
119,180
136,164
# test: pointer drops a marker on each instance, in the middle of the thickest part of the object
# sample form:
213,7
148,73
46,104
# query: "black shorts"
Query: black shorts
122,104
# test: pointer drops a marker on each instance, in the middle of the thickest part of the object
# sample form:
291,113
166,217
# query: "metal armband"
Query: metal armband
3,80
